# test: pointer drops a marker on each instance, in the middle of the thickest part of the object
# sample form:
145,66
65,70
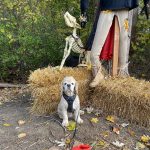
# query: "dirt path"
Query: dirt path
37,129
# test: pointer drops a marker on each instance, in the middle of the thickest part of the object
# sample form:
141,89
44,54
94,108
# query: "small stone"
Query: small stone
21,122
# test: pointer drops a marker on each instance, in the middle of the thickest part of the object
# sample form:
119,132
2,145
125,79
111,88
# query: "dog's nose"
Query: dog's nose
68,85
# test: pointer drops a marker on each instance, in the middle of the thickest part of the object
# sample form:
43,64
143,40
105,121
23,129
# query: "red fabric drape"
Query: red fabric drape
107,50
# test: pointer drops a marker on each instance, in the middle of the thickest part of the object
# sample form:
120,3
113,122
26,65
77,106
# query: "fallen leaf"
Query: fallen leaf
6,124
110,118
60,143
68,141
22,135
101,143
71,126
98,113
21,122
118,144
105,133
148,145
89,110
94,120
116,130
132,133
145,138
124,125
126,24
139,145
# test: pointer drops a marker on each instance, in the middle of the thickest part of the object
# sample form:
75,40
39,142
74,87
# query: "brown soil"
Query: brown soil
37,128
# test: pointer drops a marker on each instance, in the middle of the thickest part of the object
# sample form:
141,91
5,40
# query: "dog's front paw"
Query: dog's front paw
80,121
65,123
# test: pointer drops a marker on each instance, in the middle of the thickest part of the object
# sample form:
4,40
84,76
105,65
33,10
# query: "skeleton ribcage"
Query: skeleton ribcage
77,46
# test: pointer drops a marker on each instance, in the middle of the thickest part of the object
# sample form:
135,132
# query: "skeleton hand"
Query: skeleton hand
83,20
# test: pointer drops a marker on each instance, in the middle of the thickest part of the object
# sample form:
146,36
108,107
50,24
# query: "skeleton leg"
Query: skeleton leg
66,52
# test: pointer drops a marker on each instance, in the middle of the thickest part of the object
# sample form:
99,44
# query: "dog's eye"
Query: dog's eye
72,83
65,83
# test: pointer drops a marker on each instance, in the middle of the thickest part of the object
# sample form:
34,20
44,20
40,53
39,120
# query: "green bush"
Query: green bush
32,34
140,47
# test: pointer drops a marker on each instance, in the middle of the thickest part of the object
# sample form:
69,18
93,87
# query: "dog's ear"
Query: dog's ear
76,88
61,88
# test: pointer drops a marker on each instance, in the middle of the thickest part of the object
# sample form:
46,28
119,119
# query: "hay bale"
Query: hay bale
125,97
45,87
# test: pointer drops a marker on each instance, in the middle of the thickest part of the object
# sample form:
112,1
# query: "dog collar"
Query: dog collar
70,100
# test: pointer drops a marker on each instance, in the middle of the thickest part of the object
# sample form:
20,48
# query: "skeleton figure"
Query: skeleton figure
73,42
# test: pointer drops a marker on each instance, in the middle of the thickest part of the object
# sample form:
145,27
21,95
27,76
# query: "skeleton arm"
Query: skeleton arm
67,51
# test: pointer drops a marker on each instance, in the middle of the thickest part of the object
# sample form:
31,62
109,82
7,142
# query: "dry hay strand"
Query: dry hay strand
51,75
45,87
125,97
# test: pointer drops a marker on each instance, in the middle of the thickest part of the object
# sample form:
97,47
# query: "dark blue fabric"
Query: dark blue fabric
84,4
118,4
92,34
111,4
146,8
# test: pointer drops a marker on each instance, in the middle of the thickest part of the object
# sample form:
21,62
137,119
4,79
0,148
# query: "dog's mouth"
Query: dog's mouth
69,92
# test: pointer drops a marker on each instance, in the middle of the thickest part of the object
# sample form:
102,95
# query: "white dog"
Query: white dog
69,101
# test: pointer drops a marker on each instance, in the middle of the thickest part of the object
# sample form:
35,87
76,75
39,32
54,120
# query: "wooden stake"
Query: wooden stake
116,48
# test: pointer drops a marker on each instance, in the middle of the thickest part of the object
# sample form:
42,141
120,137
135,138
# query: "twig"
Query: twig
49,116
8,85
6,147
107,141
41,123
31,145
